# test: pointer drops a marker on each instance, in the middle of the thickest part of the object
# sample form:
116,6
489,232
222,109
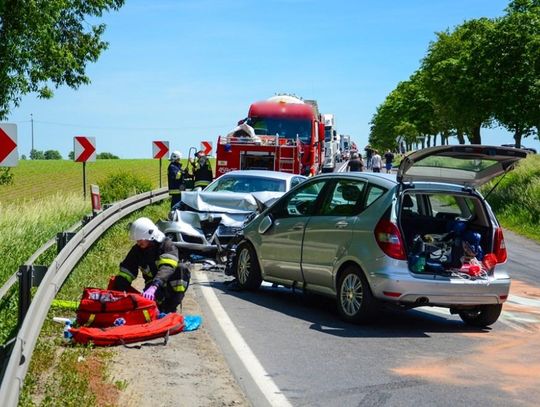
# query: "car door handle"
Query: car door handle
342,224
298,226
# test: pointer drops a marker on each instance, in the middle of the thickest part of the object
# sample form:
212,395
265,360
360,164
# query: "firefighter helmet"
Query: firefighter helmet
176,155
145,229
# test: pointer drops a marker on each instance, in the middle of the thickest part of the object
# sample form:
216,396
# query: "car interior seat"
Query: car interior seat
408,205
351,194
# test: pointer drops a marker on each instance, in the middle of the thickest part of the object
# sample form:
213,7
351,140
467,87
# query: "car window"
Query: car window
345,199
450,206
247,184
374,192
296,180
302,201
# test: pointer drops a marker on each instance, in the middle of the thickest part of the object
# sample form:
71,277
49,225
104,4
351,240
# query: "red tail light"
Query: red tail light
389,239
499,247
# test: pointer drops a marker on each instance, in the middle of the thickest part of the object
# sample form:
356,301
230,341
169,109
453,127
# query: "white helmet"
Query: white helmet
176,155
145,229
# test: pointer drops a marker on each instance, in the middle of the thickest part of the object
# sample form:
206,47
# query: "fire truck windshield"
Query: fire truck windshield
286,128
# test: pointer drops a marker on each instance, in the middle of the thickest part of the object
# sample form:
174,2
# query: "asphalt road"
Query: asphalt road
287,348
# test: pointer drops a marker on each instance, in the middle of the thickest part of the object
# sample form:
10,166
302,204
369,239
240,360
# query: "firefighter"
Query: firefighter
202,170
166,278
175,176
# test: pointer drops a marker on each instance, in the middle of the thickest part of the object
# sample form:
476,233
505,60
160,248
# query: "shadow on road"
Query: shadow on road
322,313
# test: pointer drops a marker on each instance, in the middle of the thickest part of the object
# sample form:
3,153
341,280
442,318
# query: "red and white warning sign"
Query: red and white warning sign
160,149
9,155
84,148
206,147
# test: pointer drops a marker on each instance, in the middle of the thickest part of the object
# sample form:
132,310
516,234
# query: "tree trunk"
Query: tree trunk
428,138
475,136
517,136
460,137
434,140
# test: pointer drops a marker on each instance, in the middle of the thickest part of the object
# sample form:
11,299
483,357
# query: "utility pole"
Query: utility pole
32,122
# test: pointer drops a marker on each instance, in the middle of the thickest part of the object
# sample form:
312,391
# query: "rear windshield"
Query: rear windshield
247,184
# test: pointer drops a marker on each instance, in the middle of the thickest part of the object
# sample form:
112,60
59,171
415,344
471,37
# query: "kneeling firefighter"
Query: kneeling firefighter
166,278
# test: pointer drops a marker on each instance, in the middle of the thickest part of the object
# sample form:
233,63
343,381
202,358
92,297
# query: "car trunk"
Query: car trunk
446,233
448,230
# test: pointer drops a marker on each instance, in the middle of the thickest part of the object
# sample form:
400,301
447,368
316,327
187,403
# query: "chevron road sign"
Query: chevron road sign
9,156
84,148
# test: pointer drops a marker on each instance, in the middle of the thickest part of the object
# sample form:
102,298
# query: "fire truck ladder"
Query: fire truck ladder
287,157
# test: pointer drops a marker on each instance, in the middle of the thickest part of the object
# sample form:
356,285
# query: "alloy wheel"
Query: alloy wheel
244,265
352,294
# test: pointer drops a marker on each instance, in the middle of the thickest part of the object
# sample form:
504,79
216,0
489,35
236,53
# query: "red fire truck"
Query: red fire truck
283,133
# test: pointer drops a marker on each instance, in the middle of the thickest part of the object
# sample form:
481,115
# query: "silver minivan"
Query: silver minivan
423,237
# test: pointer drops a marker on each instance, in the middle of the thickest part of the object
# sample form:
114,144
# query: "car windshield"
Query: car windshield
246,184
286,128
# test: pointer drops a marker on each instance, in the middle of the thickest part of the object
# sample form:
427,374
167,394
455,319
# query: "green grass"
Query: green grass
42,178
75,367
516,200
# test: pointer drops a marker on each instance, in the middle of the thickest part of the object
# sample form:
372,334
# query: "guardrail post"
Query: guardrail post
62,239
25,284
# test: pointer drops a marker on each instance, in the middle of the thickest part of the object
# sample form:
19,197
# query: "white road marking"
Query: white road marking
269,389
506,318
515,299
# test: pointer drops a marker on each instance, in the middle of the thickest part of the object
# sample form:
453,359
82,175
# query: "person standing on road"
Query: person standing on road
166,278
369,155
175,176
388,158
202,170
355,163
376,162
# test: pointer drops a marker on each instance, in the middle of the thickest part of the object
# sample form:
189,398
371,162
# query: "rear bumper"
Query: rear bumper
441,291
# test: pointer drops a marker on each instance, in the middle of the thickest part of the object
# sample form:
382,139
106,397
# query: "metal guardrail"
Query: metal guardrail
13,279
57,272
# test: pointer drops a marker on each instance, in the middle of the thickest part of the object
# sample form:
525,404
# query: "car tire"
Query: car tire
482,316
354,300
247,269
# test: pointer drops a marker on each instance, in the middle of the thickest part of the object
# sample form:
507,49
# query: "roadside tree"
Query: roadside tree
46,43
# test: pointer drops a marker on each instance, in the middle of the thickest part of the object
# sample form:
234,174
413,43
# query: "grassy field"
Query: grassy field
42,178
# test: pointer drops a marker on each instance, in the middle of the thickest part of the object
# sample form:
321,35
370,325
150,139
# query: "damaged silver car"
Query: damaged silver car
424,237
206,221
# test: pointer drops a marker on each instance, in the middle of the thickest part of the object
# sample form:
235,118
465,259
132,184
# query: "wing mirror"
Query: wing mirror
265,224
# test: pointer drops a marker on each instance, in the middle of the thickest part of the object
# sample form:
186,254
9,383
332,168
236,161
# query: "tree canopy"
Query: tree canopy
47,43
481,73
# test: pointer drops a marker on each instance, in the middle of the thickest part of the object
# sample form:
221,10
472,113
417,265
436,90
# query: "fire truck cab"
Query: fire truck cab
283,133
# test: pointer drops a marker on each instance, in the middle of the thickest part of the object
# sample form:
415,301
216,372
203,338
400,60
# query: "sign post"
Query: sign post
84,149
9,155
160,149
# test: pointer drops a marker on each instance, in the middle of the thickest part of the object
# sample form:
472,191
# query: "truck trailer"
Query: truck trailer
332,153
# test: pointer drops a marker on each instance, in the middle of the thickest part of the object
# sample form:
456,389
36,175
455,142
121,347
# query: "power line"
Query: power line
126,128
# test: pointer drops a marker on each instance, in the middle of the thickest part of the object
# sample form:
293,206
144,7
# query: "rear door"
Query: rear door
281,247
329,232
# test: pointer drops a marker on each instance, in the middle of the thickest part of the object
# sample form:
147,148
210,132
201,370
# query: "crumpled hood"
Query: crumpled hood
227,202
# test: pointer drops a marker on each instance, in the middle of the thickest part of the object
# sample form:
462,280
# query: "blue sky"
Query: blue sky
185,71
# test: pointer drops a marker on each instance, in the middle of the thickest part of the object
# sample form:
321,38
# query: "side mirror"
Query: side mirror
265,224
